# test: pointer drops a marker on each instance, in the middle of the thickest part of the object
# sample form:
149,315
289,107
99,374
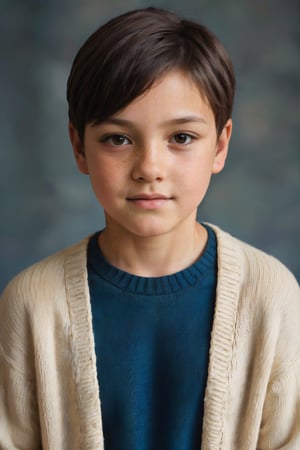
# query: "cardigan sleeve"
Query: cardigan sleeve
280,426
281,416
19,426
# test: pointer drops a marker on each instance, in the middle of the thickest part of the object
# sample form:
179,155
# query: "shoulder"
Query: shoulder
255,266
261,285
267,296
35,304
44,277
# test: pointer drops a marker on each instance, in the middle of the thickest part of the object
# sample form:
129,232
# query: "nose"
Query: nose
149,163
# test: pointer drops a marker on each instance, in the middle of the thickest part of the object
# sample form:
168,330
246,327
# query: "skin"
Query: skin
150,166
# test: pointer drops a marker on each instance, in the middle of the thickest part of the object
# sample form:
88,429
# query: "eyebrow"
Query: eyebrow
175,121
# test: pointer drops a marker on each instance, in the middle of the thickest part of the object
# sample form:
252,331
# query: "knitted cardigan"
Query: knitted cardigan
49,395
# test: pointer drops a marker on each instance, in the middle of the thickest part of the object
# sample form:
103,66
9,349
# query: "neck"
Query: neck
156,255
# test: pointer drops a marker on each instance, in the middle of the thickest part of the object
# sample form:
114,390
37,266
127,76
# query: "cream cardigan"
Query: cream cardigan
49,395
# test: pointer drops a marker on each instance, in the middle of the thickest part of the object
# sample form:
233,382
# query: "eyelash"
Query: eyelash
123,137
186,135
109,139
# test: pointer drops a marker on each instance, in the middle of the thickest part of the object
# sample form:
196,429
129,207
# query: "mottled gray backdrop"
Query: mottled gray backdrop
46,204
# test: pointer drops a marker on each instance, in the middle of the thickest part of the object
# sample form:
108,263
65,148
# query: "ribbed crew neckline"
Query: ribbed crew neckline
152,285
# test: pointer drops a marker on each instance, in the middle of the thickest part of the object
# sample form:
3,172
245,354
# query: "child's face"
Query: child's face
150,164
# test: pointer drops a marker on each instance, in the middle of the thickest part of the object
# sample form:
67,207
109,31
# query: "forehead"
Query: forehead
171,94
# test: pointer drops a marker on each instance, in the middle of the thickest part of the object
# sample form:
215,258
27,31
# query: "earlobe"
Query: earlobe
78,150
222,147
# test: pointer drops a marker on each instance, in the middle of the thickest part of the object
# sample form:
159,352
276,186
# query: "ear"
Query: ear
78,150
222,147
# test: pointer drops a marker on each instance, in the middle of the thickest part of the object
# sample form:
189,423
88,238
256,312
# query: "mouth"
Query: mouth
149,201
149,197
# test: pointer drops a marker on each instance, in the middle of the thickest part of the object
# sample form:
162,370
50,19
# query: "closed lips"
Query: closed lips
149,197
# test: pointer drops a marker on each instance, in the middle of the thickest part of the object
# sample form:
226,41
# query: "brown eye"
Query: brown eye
182,138
117,140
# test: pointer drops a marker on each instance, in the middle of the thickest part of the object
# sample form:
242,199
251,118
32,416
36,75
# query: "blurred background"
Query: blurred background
46,204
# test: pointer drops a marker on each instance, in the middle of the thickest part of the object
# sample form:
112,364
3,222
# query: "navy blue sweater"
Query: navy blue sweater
152,339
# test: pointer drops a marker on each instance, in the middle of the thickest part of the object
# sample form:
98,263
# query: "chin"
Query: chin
149,233
149,230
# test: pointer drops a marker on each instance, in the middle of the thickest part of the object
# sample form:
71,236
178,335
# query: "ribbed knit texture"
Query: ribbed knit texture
49,394
143,327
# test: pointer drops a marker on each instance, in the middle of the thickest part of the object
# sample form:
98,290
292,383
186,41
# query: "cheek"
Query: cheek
194,184
198,174
103,172
106,180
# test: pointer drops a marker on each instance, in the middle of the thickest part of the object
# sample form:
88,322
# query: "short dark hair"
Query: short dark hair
124,57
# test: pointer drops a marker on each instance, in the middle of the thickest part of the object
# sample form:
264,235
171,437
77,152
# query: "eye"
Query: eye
116,140
182,138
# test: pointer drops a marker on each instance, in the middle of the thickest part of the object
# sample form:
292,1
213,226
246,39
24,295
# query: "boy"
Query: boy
157,332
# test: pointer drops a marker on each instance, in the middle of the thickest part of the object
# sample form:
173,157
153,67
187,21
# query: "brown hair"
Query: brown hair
123,58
